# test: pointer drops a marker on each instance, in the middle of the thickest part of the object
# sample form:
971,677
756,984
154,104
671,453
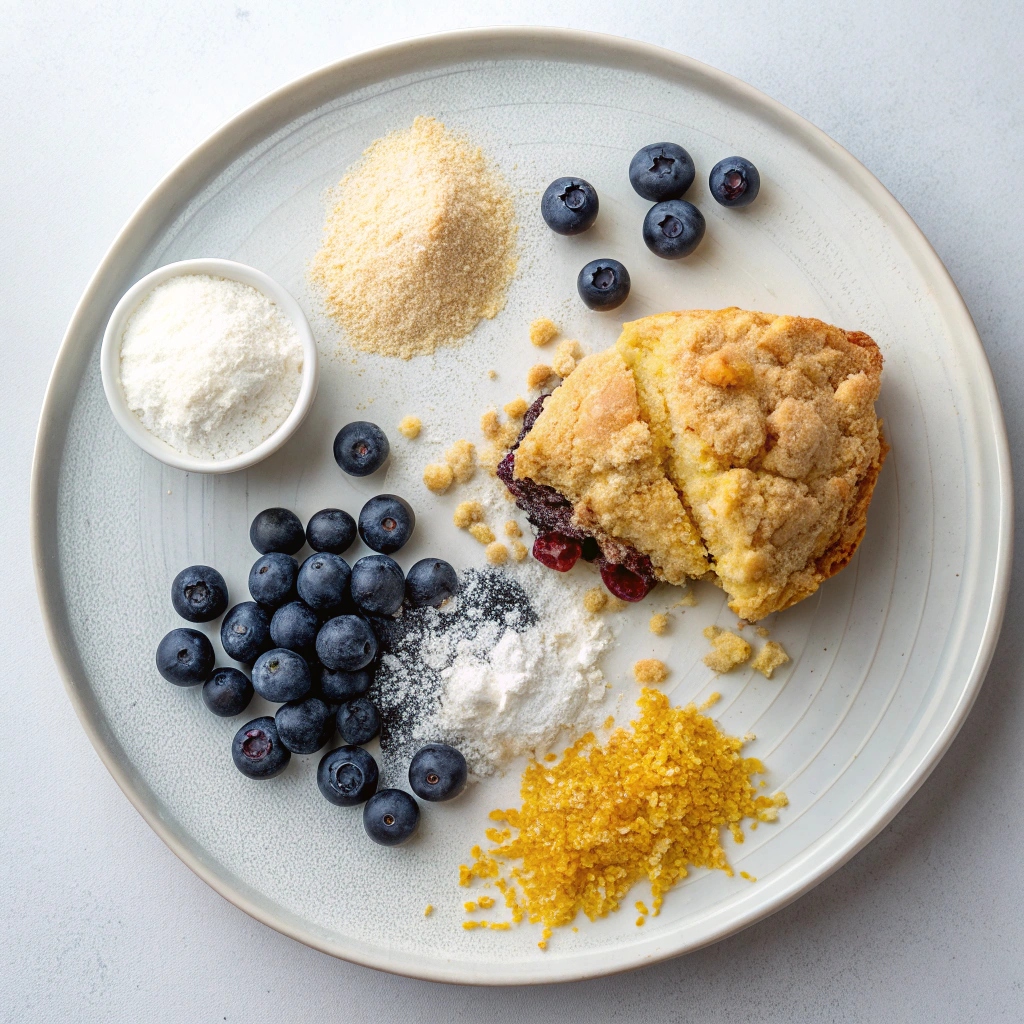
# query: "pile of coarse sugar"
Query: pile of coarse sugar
419,244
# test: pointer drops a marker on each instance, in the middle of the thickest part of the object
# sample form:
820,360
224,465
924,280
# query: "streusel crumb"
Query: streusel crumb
519,550
595,599
564,361
542,332
516,409
467,513
513,529
537,376
770,657
688,600
658,623
410,426
482,532
490,425
438,477
727,650
496,552
762,632
650,670
461,458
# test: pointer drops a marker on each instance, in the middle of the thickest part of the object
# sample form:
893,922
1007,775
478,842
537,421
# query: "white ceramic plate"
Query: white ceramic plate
888,657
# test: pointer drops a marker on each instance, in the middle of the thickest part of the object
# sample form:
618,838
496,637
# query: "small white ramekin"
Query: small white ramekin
110,365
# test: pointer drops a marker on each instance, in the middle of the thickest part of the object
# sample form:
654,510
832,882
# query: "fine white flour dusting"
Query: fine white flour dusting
210,366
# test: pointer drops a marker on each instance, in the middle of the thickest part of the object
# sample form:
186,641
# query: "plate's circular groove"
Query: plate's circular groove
850,731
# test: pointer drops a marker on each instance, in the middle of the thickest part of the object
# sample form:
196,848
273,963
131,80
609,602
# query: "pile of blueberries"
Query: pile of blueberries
308,635
673,228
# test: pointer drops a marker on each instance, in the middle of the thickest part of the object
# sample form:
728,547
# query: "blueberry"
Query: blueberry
569,205
390,817
272,579
304,725
361,448
277,529
386,522
438,772
431,581
331,530
673,229
378,585
257,749
346,642
734,181
245,631
358,721
295,626
603,284
199,593
281,675
227,692
347,776
339,687
185,657
323,581
661,171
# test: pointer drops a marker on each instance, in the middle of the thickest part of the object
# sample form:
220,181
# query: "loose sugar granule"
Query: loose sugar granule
658,624
438,477
542,332
769,658
407,269
650,802
409,426
650,670
727,649
537,376
467,513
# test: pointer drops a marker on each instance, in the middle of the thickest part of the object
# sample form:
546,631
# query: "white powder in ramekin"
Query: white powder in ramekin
210,366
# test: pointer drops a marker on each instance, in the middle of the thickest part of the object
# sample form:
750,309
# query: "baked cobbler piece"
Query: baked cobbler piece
735,446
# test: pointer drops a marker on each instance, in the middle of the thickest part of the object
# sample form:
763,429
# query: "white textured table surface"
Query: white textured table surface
98,920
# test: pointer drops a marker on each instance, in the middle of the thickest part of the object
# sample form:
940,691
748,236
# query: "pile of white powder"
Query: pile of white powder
210,366
498,672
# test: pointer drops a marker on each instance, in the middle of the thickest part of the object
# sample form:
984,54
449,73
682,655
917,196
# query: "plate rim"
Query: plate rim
417,54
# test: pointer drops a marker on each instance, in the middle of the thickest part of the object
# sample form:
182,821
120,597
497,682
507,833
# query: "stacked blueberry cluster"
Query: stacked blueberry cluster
673,228
308,635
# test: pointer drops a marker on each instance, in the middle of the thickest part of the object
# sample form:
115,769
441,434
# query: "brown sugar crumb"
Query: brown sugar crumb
542,332
460,457
482,532
537,376
564,361
595,600
490,425
466,513
658,624
516,409
762,632
519,551
513,529
438,477
640,805
727,650
410,426
650,670
769,658
496,553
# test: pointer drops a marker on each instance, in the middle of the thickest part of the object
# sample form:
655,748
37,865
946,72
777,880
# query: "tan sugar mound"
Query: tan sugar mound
419,244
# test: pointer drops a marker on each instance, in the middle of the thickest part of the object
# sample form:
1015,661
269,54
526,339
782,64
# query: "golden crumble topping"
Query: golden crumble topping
595,599
516,409
481,532
537,376
466,513
727,650
519,550
410,426
650,670
513,529
769,658
542,332
658,624
566,354
438,477
496,553
461,458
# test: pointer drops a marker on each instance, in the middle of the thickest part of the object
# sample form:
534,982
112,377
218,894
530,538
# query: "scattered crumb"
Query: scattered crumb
438,477
640,921
762,632
486,902
542,332
469,906
470,925
770,657
564,361
688,600
460,458
512,529
493,374
550,757
490,425
650,670
466,513
727,650
741,624
429,910
497,553
641,907
516,409
500,926
410,426
519,551
744,874
537,376
481,532
658,623
595,599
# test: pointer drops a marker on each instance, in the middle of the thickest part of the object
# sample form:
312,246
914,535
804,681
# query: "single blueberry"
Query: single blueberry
603,284
199,593
431,581
734,181
661,171
322,582
390,817
347,776
358,721
361,448
673,229
185,657
386,522
245,631
227,692
569,205
438,772
257,749
272,579
304,725
346,643
281,675
378,585
277,529
339,687
295,626
331,530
